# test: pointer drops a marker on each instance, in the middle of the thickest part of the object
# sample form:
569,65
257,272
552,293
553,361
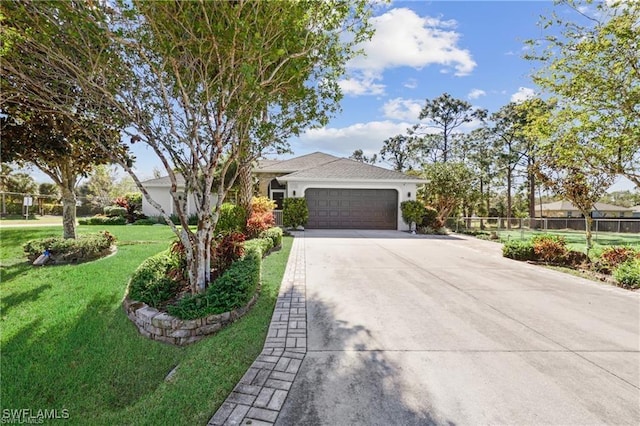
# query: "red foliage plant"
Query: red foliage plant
228,248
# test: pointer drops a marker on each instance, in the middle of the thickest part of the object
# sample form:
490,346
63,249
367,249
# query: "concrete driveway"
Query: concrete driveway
406,330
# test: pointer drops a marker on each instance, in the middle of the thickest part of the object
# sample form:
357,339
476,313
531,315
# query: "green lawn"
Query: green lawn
66,342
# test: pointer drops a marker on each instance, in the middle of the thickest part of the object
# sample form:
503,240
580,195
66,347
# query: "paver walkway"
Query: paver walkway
259,396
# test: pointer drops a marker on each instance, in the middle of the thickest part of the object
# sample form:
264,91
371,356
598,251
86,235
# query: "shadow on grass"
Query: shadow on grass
342,381
7,273
14,300
94,363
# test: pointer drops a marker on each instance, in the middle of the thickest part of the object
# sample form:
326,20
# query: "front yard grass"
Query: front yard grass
66,343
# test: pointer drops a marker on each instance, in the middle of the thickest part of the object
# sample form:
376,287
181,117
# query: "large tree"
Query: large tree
58,145
441,117
401,152
590,61
193,81
448,186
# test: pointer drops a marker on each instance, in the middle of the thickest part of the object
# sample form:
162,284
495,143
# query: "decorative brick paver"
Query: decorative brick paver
260,394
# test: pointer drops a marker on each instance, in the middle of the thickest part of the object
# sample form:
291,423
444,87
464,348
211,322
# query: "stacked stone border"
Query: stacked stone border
259,396
163,327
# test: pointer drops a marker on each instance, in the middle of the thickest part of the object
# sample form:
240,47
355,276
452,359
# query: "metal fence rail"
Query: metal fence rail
621,225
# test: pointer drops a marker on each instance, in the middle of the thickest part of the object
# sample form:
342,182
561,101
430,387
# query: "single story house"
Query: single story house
635,211
158,189
566,209
341,193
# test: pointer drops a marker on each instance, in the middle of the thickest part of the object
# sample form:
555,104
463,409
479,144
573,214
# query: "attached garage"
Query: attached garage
341,193
335,208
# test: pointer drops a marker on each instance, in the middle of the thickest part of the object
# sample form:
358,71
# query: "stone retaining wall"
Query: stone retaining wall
161,326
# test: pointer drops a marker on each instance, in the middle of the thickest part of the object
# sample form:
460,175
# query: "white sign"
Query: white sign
28,201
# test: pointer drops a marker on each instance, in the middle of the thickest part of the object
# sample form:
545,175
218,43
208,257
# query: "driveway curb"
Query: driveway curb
259,396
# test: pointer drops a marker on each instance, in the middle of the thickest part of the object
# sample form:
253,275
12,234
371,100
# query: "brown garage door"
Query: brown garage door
352,208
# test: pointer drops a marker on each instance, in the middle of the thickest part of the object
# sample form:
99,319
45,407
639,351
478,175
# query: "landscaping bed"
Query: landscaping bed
619,265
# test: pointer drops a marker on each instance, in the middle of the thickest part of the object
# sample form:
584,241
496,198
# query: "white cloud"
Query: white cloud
412,83
361,86
476,93
523,94
402,38
402,109
344,140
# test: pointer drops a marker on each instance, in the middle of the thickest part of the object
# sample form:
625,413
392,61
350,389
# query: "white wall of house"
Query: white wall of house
406,191
162,196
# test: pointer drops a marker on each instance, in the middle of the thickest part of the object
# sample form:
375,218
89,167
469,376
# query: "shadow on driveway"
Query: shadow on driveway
340,383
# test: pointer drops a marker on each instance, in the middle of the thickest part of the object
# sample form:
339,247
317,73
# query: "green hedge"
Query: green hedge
150,284
262,245
295,212
232,290
84,248
232,218
518,250
628,273
274,234
103,220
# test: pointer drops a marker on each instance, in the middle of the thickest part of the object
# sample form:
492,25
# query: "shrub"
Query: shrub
576,259
103,220
628,273
230,291
430,218
150,283
518,250
295,212
549,248
259,222
227,249
232,218
114,211
147,221
262,205
192,220
412,212
132,203
259,245
614,256
275,234
84,248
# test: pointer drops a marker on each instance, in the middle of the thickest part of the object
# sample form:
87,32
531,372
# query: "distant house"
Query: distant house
566,209
340,193
635,211
158,189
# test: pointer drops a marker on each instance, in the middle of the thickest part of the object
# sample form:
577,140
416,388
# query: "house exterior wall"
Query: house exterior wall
162,196
297,190
263,182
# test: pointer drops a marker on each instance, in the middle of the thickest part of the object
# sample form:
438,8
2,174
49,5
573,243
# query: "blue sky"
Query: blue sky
471,49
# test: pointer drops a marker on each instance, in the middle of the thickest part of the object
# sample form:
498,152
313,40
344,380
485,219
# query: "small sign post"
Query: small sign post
27,202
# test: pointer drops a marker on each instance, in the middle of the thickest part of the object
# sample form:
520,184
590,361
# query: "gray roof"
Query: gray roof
164,181
294,164
346,169
565,205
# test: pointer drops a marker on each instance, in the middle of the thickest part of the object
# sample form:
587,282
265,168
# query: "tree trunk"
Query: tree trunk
68,212
509,199
532,194
245,194
588,222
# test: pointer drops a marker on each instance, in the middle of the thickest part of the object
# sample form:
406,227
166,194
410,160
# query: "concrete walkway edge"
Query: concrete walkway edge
260,394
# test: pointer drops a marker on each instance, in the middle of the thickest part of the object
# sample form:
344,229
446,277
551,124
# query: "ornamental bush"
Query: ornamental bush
412,212
430,218
230,291
232,218
114,211
295,212
84,248
103,220
627,274
274,234
518,250
549,248
151,284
